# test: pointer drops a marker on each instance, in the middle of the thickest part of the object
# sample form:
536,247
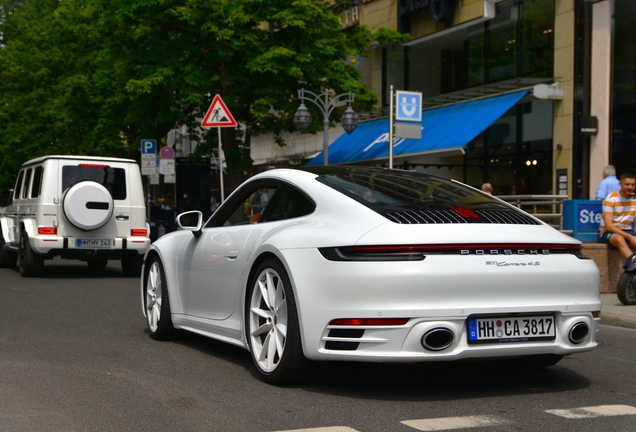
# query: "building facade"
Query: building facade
572,63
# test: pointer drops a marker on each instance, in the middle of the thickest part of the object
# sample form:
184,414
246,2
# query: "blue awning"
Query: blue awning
444,129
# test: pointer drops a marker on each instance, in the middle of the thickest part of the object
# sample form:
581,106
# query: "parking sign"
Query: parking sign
409,106
148,146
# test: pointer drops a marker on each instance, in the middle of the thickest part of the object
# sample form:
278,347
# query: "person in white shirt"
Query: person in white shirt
609,183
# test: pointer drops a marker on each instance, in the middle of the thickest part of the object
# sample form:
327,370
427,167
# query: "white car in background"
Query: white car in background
371,264
77,207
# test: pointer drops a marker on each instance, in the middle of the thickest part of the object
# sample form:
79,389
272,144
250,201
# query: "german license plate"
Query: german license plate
95,243
511,329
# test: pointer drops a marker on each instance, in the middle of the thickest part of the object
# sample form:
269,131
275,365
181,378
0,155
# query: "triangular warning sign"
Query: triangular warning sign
218,115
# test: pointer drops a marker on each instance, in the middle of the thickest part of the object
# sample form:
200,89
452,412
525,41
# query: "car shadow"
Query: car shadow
73,269
432,381
441,381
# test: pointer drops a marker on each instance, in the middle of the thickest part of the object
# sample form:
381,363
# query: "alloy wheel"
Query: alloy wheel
268,320
153,297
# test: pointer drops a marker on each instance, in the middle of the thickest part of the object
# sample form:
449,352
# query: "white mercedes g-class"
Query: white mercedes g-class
76,207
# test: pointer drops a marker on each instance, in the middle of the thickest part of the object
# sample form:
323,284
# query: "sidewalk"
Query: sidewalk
616,313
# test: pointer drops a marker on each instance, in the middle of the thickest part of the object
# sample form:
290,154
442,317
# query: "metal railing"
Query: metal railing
548,208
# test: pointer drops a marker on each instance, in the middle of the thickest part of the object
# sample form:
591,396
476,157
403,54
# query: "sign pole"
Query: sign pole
219,116
391,127
221,166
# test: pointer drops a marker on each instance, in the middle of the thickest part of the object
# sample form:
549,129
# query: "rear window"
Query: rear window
18,186
113,179
407,197
36,187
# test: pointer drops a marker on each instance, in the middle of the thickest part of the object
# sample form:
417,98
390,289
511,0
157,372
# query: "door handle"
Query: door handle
122,217
231,254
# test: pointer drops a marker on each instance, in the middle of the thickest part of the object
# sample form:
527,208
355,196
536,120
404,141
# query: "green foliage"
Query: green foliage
96,76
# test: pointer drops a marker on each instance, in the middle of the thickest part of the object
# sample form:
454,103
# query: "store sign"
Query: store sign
589,125
350,17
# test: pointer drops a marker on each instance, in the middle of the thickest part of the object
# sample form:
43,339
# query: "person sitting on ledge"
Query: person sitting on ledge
619,208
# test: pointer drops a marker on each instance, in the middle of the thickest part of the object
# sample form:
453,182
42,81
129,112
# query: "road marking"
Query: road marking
447,423
323,429
594,411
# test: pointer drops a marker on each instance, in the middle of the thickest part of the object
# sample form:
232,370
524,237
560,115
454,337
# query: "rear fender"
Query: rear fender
4,229
28,226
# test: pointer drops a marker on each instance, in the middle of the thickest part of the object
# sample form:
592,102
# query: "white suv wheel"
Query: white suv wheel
88,205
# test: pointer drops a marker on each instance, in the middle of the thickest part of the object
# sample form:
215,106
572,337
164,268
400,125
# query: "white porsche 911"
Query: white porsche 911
370,264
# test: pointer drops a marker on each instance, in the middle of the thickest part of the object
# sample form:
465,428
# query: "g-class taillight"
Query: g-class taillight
138,232
47,230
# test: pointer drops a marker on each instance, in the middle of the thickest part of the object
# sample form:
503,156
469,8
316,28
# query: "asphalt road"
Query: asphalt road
75,356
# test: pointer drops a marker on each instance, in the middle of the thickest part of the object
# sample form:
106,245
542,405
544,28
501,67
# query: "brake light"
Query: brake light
94,165
369,322
47,230
465,213
138,232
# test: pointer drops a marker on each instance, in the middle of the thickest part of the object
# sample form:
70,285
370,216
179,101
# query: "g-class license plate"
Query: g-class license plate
95,243
511,329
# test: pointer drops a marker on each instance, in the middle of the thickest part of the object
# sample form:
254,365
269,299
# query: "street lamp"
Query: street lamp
327,104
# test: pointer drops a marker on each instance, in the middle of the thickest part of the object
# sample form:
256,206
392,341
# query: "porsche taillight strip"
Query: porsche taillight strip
368,322
419,252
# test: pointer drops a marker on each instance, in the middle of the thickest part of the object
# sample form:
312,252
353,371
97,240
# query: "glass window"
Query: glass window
113,179
18,186
537,38
475,56
245,207
36,187
288,202
405,190
502,43
623,147
27,180
394,61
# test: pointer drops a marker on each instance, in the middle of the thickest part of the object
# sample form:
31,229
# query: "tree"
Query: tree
96,76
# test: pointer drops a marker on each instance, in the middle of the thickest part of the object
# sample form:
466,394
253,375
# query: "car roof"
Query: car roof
71,157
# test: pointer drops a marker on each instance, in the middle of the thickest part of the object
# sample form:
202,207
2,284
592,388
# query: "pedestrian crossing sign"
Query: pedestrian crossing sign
218,115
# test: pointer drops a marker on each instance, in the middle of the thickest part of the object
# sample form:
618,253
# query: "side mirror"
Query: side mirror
191,221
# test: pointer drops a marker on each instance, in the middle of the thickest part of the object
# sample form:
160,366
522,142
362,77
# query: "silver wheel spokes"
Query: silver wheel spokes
153,297
268,320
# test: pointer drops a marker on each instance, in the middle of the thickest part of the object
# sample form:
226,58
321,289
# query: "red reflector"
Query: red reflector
47,230
94,165
138,232
465,213
596,314
369,321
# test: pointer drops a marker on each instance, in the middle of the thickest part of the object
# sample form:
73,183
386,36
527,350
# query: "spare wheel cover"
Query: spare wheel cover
88,205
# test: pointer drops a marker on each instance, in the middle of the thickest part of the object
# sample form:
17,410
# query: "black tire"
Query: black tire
8,259
97,263
131,266
290,366
626,288
157,302
30,263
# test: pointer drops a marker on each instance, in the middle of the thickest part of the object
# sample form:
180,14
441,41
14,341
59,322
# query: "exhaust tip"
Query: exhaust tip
579,332
438,339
